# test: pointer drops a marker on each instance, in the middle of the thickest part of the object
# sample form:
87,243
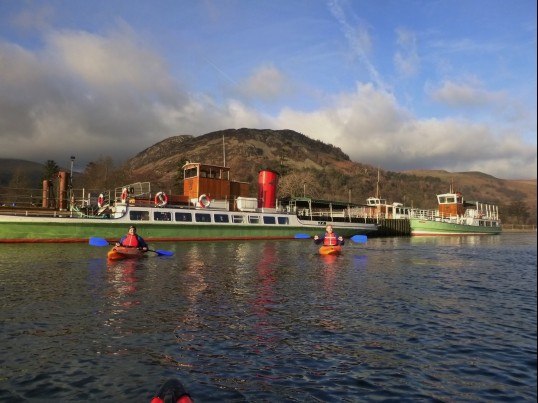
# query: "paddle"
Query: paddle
354,238
95,241
359,238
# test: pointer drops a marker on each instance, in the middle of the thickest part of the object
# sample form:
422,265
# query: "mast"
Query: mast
223,152
377,186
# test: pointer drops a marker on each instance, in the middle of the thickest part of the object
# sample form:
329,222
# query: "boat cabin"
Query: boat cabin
380,209
451,204
204,183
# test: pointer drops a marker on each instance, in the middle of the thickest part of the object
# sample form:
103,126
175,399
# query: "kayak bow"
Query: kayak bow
122,252
330,250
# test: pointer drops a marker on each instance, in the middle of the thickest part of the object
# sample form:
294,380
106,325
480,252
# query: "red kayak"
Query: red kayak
330,250
172,391
123,252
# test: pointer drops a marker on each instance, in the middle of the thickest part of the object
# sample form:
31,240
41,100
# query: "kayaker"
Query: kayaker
329,238
133,240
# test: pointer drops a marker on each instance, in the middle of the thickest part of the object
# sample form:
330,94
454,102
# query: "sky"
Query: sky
396,84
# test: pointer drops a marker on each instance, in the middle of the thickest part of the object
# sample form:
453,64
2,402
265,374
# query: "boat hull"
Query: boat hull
121,252
430,227
70,229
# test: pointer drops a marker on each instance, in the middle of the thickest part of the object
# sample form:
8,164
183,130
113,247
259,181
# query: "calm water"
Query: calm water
412,319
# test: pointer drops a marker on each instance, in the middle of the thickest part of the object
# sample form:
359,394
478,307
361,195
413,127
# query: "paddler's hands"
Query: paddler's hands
316,237
117,244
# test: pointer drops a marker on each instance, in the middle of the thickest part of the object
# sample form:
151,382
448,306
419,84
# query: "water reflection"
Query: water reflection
123,278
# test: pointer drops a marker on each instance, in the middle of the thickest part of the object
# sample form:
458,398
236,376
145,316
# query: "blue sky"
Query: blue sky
395,84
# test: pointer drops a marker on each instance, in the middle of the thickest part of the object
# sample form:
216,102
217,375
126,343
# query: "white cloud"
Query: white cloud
358,39
406,58
464,95
372,128
267,83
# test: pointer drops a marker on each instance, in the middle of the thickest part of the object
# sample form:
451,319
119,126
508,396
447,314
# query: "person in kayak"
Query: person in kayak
133,240
329,238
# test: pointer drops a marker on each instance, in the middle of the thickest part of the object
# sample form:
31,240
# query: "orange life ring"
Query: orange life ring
100,200
204,201
161,199
124,194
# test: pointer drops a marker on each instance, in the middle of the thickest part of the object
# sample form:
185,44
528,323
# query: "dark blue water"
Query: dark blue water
396,319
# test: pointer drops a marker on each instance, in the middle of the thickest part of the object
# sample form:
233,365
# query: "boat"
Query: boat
172,391
123,252
456,216
330,250
212,207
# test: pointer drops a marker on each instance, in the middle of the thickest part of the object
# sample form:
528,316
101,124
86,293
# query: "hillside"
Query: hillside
20,172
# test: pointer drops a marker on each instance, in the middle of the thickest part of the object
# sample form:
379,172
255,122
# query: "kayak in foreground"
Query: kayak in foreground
330,250
122,252
172,391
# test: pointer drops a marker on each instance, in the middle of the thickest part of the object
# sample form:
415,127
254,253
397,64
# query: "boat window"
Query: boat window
253,219
185,217
442,199
202,217
269,220
162,216
139,215
191,173
221,218
283,220
238,219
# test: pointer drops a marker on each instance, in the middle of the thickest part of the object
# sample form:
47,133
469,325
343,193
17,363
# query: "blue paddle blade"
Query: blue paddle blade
302,236
161,252
359,238
94,241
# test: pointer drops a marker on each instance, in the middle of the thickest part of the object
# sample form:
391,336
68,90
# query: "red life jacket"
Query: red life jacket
130,240
330,239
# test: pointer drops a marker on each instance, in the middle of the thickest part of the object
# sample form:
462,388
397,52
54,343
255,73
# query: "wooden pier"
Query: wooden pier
393,227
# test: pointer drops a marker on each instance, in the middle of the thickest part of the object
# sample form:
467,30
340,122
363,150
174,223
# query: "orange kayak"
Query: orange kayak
122,252
330,250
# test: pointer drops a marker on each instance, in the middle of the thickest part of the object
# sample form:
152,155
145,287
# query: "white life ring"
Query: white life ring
124,193
161,199
100,200
204,201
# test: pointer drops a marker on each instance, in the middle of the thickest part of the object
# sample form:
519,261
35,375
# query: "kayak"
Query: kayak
122,252
330,250
172,391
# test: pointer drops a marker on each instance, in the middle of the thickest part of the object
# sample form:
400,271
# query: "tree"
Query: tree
100,174
519,211
50,170
298,184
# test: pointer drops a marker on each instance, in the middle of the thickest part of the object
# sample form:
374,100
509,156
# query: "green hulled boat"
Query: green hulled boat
211,208
455,216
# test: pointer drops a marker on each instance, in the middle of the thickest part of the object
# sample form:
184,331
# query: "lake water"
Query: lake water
402,319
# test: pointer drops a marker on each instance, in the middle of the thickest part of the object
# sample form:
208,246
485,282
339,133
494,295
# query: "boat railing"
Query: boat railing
20,197
137,189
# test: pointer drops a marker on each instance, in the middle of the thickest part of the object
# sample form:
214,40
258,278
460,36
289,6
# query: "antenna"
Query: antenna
223,151
377,186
